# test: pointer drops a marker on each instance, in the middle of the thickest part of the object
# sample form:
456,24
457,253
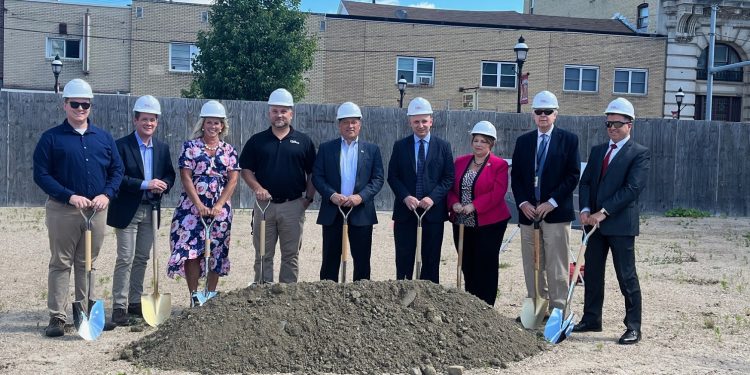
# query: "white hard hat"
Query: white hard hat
147,104
484,128
348,109
78,88
281,97
545,100
419,106
212,108
621,106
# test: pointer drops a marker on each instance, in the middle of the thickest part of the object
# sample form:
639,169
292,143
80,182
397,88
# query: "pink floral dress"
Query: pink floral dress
210,175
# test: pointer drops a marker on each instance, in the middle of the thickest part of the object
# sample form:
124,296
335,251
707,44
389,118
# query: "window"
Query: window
204,17
724,54
630,81
65,48
416,70
181,56
642,23
723,108
581,78
138,12
498,74
322,26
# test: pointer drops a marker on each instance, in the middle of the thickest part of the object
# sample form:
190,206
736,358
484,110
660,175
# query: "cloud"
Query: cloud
423,4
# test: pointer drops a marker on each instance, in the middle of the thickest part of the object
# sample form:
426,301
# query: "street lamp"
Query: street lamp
401,90
521,50
56,69
679,96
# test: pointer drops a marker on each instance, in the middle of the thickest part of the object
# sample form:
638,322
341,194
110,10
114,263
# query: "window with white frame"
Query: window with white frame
498,74
204,17
181,56
138,12
416,70
65,48
581,78
642,22
630,81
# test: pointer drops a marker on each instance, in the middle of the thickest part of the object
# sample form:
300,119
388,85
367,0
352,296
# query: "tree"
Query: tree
252,48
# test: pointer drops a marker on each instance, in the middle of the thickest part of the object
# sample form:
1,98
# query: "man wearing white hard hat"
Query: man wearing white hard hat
277,164
420,173
348,173
149,174
77,165
613,180
545,172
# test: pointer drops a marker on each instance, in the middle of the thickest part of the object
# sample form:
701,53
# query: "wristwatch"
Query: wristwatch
604,212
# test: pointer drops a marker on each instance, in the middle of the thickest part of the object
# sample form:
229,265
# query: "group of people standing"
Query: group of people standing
81,167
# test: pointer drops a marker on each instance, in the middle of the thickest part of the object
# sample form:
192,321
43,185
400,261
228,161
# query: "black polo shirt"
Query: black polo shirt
280,165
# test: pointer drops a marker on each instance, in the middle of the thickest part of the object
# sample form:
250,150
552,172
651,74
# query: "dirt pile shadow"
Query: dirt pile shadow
363,327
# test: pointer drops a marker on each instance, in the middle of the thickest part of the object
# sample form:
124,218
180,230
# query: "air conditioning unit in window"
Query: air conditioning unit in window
425,81
468,101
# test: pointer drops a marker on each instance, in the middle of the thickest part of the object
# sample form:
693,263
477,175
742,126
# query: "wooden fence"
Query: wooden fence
694,164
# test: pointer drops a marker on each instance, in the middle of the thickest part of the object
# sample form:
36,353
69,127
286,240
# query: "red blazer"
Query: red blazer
489,190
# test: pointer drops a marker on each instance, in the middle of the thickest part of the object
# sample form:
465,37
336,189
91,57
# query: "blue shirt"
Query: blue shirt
147,157
68,163
348,166
416,147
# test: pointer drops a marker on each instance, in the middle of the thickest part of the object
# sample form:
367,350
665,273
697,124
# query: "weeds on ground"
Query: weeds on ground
687,212
503,265
674,255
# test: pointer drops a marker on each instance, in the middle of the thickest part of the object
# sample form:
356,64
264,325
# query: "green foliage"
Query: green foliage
686,212
252,48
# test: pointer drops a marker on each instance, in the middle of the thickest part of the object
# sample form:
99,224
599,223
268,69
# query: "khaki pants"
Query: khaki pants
66,228
284,223
553,262
133,249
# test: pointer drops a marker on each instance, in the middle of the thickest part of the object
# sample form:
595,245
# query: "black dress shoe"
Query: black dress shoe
630,337
120,317
135,309
587,327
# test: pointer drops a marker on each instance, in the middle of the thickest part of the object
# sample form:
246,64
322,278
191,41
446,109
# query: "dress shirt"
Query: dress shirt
348,166
147,157
416,147
611,157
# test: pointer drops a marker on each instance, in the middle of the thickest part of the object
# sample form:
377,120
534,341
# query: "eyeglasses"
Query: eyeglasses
546,112
616,124
75,105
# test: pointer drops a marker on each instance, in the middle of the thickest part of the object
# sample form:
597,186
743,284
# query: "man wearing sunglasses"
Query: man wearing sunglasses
611,183
77,165
544,174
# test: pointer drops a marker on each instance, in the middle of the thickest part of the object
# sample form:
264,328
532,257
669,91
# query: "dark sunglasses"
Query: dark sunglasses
616,124
75,105
546,112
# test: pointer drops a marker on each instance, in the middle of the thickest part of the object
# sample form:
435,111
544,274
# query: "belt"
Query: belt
283,200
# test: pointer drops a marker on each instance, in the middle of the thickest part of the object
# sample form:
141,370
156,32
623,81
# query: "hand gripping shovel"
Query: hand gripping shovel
558,329
460,255
418,263
344,242
262,239
89,324
532,312
205,295
156,308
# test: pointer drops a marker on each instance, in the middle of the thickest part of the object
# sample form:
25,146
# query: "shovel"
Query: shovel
156,308
460,255
532,312
89,324
262,239
558,329
344,242
205,295
418,263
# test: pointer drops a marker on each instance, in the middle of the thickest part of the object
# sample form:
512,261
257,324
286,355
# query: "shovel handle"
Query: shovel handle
344,250
418,254
88,250
460,255
154,230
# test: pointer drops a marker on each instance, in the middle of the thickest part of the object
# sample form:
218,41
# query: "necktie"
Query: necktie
605,163
420,170
541,155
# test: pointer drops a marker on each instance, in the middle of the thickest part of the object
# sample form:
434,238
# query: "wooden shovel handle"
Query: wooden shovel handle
460,255
88,250
262,239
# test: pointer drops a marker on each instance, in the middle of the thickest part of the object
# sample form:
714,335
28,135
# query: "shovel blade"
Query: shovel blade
89,325
156,308
528,314
554,325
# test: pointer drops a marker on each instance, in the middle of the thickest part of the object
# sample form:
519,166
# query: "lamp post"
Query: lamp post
521,50
56,69
678,97
401,90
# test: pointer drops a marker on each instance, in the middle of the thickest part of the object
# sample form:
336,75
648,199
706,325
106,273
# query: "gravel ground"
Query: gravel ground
694,276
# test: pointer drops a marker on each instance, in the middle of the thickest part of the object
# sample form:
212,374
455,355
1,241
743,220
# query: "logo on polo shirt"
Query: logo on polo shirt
293,141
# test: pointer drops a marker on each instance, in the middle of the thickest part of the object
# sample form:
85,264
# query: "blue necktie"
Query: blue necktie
541,155
420,170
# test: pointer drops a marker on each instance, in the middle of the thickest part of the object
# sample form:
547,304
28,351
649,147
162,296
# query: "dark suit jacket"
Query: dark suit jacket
619,188
123,207
438,178
562,168
326,177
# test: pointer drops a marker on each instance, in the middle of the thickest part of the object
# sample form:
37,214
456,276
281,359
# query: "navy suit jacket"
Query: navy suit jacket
326,177
438,177
122,209
562,169
618,190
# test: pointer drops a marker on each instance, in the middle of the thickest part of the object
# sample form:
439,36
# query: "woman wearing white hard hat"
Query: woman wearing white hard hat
209,170
477,201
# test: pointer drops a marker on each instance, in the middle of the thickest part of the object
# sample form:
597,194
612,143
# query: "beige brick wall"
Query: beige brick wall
29,24
595,9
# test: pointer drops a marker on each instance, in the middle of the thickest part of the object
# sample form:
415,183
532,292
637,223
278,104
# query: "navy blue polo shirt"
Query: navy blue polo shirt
280,165
67,163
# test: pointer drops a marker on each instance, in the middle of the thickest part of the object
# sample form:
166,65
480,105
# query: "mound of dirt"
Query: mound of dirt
365,327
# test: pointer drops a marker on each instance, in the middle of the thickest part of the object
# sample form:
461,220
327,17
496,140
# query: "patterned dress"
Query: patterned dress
210,175
467,184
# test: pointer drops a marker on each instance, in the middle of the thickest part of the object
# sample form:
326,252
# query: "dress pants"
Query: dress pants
554,269
284,222
360,246
481,258
405,236
134,244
